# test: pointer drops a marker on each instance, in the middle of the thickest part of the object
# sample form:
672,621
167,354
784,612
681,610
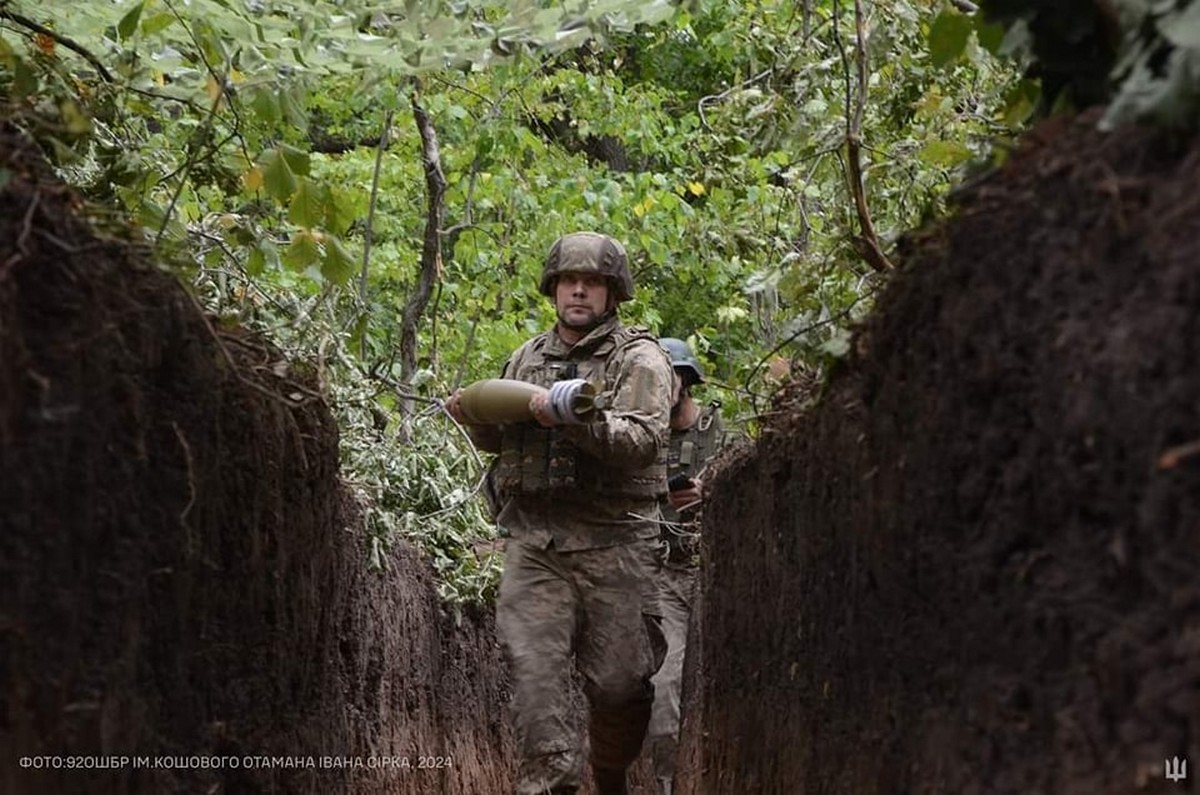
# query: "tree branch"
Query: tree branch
206,126
431,249
26,22
712,99
367,233
868,242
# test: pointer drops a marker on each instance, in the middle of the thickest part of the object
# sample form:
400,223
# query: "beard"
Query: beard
593,319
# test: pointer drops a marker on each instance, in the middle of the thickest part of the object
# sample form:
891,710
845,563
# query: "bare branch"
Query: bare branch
431,249
868,242
714,98
368,233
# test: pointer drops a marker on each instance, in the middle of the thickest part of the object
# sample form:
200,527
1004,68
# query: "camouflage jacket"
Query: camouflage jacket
689,452
596,484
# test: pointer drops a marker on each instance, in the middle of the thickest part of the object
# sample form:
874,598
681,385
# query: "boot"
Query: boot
610,782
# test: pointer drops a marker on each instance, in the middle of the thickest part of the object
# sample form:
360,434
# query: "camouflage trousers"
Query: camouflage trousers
600,606
675,599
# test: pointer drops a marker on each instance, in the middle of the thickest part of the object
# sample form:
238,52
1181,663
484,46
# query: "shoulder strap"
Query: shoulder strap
622,337
628,334
532,346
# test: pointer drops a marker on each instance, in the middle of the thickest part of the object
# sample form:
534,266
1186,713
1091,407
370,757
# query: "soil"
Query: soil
972,567
181,574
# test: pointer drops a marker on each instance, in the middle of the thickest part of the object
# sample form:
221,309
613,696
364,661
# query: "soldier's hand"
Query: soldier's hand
539,407
454,407
688,497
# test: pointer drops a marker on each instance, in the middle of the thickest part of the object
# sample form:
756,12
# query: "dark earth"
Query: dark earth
974,567
181,573
970,567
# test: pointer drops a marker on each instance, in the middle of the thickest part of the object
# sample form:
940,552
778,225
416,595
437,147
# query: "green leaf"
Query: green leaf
211,44
292,102
358,332
78,122
157,23
340,210
302,252
256,263
484,145
1020,102
945,154
308,204
298,160
989,34
338,266
24,79
263,256
265,105
151,215
128,24
948,37
278,177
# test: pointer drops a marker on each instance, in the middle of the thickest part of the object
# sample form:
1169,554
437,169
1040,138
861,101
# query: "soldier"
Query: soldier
579,502
696,434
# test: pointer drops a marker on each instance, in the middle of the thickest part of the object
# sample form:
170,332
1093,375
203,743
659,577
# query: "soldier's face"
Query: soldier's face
580,298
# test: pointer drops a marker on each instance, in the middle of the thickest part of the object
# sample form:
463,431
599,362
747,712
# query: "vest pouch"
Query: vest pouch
534,459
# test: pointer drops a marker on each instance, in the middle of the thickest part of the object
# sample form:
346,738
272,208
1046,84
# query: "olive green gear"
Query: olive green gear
682,357
494,401
588,252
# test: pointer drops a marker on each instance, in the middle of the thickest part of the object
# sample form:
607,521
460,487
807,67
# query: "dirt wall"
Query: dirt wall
180,573
973,566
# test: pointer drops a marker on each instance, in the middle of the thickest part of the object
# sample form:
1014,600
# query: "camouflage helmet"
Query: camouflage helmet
682,358
588,252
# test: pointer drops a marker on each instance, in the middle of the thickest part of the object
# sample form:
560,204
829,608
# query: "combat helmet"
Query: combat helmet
588,252
682,358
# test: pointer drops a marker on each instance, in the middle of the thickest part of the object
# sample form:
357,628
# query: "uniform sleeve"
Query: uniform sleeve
635,428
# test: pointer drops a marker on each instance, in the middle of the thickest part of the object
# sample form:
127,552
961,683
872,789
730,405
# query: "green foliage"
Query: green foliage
948,37
1158,75
1070,45
1141,57
710,139
418,481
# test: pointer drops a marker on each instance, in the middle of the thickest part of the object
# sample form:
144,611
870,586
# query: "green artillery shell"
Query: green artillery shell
498,400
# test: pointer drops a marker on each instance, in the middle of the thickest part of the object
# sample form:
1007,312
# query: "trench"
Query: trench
969,567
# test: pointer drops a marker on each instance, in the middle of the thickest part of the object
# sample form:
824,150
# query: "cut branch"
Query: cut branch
431,249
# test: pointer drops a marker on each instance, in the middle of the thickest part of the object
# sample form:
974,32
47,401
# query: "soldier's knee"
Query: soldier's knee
618,690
